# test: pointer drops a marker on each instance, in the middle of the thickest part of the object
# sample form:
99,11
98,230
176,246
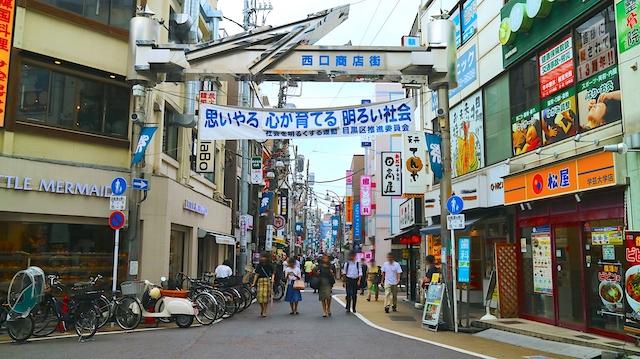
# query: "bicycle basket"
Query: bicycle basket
26,290
133,288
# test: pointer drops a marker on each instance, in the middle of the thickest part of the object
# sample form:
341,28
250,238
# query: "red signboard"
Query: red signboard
7,15
555,66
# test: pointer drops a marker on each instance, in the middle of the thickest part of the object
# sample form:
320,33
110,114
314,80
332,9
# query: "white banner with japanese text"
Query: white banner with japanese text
227,123
415,174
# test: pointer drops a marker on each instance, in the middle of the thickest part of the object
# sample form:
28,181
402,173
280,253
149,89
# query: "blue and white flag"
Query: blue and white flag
265,202
434,143
228,123
146,134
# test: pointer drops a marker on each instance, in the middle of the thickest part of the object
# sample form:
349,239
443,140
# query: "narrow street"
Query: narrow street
281,336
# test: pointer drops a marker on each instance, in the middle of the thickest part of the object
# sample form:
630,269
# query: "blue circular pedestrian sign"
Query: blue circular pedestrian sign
118,186
455,204
116,220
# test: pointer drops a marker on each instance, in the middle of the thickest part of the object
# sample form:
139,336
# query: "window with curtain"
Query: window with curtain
497,120
169,133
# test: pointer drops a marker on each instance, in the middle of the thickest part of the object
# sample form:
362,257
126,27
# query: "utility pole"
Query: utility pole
244,95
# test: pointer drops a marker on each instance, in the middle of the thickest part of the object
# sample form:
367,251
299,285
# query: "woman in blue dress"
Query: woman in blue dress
293,296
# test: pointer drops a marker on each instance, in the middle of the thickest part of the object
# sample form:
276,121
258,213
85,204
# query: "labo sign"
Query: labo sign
521,18
53,186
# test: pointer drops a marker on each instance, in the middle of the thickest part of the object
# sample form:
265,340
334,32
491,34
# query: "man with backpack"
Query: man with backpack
373,278
352,274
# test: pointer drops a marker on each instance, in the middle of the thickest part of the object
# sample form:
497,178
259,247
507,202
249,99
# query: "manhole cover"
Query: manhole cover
510,322
585,337
401,318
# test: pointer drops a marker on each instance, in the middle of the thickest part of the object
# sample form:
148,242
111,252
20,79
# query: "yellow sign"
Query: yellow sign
348,210
7,15
435,278
575,175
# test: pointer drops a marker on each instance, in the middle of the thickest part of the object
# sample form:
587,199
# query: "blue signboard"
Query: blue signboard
467,72
145,137
464,259
434,101
357,223
434,142
265,202
118,186
455,205
140,184
299,228
335,227
455,18
469,19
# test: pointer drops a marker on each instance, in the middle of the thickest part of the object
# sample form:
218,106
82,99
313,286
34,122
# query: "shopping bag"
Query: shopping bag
298,285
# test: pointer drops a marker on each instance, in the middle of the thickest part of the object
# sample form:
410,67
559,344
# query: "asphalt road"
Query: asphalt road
279,336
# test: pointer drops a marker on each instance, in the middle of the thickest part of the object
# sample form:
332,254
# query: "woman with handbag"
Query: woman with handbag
294,285
263,281
326,278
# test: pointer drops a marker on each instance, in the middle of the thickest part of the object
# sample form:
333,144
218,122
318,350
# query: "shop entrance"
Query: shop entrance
569,301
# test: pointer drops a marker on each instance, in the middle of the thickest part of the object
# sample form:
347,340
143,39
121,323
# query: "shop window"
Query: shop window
75,102
169,133
176,253
74,251
497,120
536,272
115,13
604,253
524,98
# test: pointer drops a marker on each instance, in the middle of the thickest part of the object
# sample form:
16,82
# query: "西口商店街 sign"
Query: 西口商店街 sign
221,122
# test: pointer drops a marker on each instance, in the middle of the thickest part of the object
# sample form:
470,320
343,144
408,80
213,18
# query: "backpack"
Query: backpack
377,278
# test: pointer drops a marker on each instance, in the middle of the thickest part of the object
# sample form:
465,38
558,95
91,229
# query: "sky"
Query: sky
330,158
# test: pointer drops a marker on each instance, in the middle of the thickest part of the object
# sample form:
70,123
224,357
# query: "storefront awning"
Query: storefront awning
406,232
220,238
435,229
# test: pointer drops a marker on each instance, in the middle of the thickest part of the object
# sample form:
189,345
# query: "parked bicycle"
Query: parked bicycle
25,292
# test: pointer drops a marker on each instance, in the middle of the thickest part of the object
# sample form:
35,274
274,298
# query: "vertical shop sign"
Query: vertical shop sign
559,116
357,227
256,170
335,227
594,48
599,99
391,173
283,200
455,18
467,135
556,67
469,19
627,23
526,132
414,174
349,182
265,202
7,15
610,288
464,259
365,195
434,147
542,264
632,282
348,209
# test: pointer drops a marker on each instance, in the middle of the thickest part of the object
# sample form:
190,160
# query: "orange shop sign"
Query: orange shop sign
581,174
349,209
7,15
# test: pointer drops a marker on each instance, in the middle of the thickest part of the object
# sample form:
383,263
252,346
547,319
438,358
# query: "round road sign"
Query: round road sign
455,204
279,222
116,220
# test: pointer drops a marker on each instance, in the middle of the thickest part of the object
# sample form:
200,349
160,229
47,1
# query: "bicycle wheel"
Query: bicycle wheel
128,313
229,305
85,320
221,303
45,318
278,291
246,294
105,309
205,307
237,299
20,329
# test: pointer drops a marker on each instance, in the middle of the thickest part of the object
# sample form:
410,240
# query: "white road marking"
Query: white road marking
373,325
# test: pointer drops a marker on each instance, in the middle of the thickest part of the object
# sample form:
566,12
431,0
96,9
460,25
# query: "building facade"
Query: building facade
66,135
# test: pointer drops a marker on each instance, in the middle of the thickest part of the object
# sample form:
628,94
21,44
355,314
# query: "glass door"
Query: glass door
569,282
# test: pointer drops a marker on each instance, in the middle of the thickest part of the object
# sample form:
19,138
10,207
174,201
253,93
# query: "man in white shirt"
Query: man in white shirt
391,278
224,270
352,274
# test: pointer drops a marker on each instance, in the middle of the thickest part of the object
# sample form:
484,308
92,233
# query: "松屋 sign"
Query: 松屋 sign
226,123
414,176
391,173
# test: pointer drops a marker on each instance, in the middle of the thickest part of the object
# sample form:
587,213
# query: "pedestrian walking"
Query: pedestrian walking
373,279
351,275
309,266
391,277
363,277
293,296
326,277
335,262
263,282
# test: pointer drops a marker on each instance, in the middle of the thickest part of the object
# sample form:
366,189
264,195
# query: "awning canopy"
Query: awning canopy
406,232
220,238
435,229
